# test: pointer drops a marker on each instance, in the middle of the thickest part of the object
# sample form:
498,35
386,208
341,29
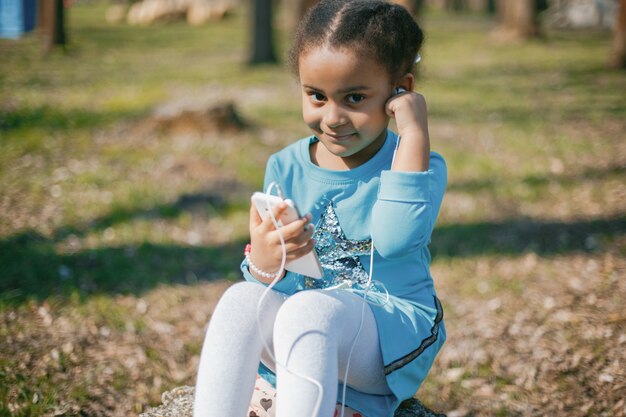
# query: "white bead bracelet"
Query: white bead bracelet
256,270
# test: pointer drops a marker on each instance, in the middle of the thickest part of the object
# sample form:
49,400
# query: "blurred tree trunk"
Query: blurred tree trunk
618,52
455,5
262,33
301,7
419,7
518,20
51,24
413,6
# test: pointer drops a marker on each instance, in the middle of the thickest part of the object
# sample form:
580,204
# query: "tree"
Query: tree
618,51
455,5
414,7
262,33
301,7
51,24
518,19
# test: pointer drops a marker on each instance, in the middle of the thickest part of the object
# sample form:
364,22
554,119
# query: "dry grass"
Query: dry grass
114,246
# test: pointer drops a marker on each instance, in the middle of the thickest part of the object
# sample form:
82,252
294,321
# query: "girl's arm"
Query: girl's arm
410,195
409,110
266,252
407,207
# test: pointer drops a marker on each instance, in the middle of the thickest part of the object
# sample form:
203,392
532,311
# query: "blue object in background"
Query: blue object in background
17,17
30,14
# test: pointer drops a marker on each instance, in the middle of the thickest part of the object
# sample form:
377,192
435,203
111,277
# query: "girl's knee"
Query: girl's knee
242,291
306,310
245,300
239,297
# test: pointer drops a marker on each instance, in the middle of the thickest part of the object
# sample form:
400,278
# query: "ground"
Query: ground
116,241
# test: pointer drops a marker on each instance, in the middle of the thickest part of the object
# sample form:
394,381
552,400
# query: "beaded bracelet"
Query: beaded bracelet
256,270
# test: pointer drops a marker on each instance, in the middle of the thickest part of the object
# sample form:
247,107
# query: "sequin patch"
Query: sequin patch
338,255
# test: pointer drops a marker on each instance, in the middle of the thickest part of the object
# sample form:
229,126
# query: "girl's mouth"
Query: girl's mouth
339,137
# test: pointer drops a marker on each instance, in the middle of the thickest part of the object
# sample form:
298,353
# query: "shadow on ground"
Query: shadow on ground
33,267
526,235
565,179
519,234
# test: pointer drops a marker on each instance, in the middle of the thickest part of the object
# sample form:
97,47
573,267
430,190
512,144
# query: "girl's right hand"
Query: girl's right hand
266,252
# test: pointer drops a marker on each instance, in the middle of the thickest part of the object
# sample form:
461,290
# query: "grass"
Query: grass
113,243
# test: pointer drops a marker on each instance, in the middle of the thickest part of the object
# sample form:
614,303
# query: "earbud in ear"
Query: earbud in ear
399,90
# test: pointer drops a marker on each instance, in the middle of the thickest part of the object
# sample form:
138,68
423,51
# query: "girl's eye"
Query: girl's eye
355,98
317,97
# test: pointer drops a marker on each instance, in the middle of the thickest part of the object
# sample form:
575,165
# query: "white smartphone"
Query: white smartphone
308,265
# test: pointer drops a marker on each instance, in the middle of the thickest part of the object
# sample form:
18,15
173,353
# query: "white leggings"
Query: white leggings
310,332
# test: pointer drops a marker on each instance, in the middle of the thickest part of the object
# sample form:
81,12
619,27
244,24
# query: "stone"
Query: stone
184,118
581,14
196,12
179,403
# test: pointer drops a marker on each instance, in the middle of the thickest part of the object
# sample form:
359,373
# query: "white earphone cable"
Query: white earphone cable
280,272
365,293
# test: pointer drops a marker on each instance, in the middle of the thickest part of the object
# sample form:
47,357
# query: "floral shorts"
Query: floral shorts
264,399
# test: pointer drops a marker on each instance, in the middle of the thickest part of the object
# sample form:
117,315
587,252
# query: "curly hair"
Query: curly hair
372,29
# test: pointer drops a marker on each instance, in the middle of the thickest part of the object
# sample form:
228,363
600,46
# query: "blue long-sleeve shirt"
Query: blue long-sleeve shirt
397,212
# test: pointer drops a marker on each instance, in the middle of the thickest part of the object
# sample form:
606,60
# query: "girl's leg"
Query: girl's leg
232,349
313,335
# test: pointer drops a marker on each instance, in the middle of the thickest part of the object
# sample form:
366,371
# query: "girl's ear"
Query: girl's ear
406,82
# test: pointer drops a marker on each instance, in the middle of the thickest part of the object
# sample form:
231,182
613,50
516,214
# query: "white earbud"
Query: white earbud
399,90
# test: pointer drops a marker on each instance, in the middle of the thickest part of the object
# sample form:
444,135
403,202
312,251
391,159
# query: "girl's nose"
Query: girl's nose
334,116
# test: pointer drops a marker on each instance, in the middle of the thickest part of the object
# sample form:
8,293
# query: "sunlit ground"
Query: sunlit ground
117,240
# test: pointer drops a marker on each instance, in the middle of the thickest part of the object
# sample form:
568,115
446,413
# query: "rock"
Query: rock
179,403
116,13
176,403
581,14
149,11
196,12
200,13
414,408
182,117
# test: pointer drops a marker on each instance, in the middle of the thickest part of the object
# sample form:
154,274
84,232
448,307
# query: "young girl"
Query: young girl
354,61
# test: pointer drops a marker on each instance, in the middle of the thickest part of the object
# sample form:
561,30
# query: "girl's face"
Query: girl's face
343,102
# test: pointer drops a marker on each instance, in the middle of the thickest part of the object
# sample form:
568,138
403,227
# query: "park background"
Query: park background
127,158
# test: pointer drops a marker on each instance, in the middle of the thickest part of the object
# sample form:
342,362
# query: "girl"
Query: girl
340,338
